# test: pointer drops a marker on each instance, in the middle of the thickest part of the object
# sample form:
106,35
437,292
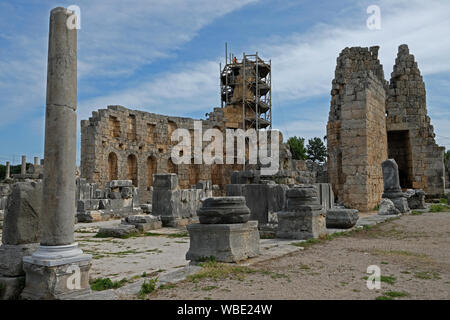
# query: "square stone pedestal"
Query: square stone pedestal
301,225
60,272
224,242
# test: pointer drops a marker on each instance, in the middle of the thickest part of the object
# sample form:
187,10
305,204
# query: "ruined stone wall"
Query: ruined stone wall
410,133
122,144
356,130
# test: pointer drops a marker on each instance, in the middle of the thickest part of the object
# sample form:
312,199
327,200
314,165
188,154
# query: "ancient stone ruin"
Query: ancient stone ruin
224,232
371,120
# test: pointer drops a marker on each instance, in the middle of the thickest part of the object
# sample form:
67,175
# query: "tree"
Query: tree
297,147
447,156
316,150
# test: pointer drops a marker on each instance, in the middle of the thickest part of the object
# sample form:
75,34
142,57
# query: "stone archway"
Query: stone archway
132,169
151,170
112,166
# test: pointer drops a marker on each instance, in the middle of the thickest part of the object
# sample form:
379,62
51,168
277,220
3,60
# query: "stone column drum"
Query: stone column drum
59,269
304,216
8,170
392,189
23,168
224,232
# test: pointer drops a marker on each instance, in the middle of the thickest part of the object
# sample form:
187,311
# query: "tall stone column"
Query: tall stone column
59,269
23,168
8,170
36,161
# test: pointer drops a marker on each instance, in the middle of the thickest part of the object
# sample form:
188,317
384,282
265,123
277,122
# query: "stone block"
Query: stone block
309,222
127,192
165,181
11,256
341,218
146,208
120,183
225,242
11,287
121,231
387,207
66,281
22,215
416,198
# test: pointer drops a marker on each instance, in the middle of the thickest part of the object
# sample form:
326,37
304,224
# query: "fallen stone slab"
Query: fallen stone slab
119,231
341,218
143,222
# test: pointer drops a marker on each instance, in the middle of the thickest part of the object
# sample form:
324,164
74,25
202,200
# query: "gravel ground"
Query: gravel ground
413,253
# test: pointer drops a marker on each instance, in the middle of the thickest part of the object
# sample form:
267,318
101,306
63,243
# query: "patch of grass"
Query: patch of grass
147,287
396,294
167,286
399,253
179,235
215,271
425,275
439,208
388,279
384,262
443,201
209,288
267,236
384,298
127,236
152,234
101,284
416,213
376,208
304,267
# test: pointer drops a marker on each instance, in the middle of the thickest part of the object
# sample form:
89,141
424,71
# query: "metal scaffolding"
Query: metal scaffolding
248,83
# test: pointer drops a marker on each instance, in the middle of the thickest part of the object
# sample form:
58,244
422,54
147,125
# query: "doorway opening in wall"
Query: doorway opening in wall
399,149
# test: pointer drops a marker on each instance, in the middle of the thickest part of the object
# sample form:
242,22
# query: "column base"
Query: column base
56,272
224,242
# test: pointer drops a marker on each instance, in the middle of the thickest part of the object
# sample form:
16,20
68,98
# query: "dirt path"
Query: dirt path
413,253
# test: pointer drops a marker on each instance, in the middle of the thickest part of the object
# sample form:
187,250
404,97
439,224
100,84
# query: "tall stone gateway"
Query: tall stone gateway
410,135
356,130
59,269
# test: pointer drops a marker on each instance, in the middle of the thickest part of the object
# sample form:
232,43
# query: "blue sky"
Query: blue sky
163,56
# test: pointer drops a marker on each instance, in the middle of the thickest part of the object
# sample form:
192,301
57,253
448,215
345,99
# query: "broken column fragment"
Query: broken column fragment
59,269
224,232
392,190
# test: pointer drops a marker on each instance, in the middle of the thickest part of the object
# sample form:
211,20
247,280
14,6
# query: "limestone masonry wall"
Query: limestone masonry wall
371,120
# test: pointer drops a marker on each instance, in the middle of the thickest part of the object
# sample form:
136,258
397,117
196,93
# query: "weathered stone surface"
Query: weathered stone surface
224,210
356,130
391,178
410,132
303,217
11,287
120,231
11,256
341,218
165,181
146,208
22,215
143,222
120,183
263,200
392,188
416,198
56,282
387,207
225,242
